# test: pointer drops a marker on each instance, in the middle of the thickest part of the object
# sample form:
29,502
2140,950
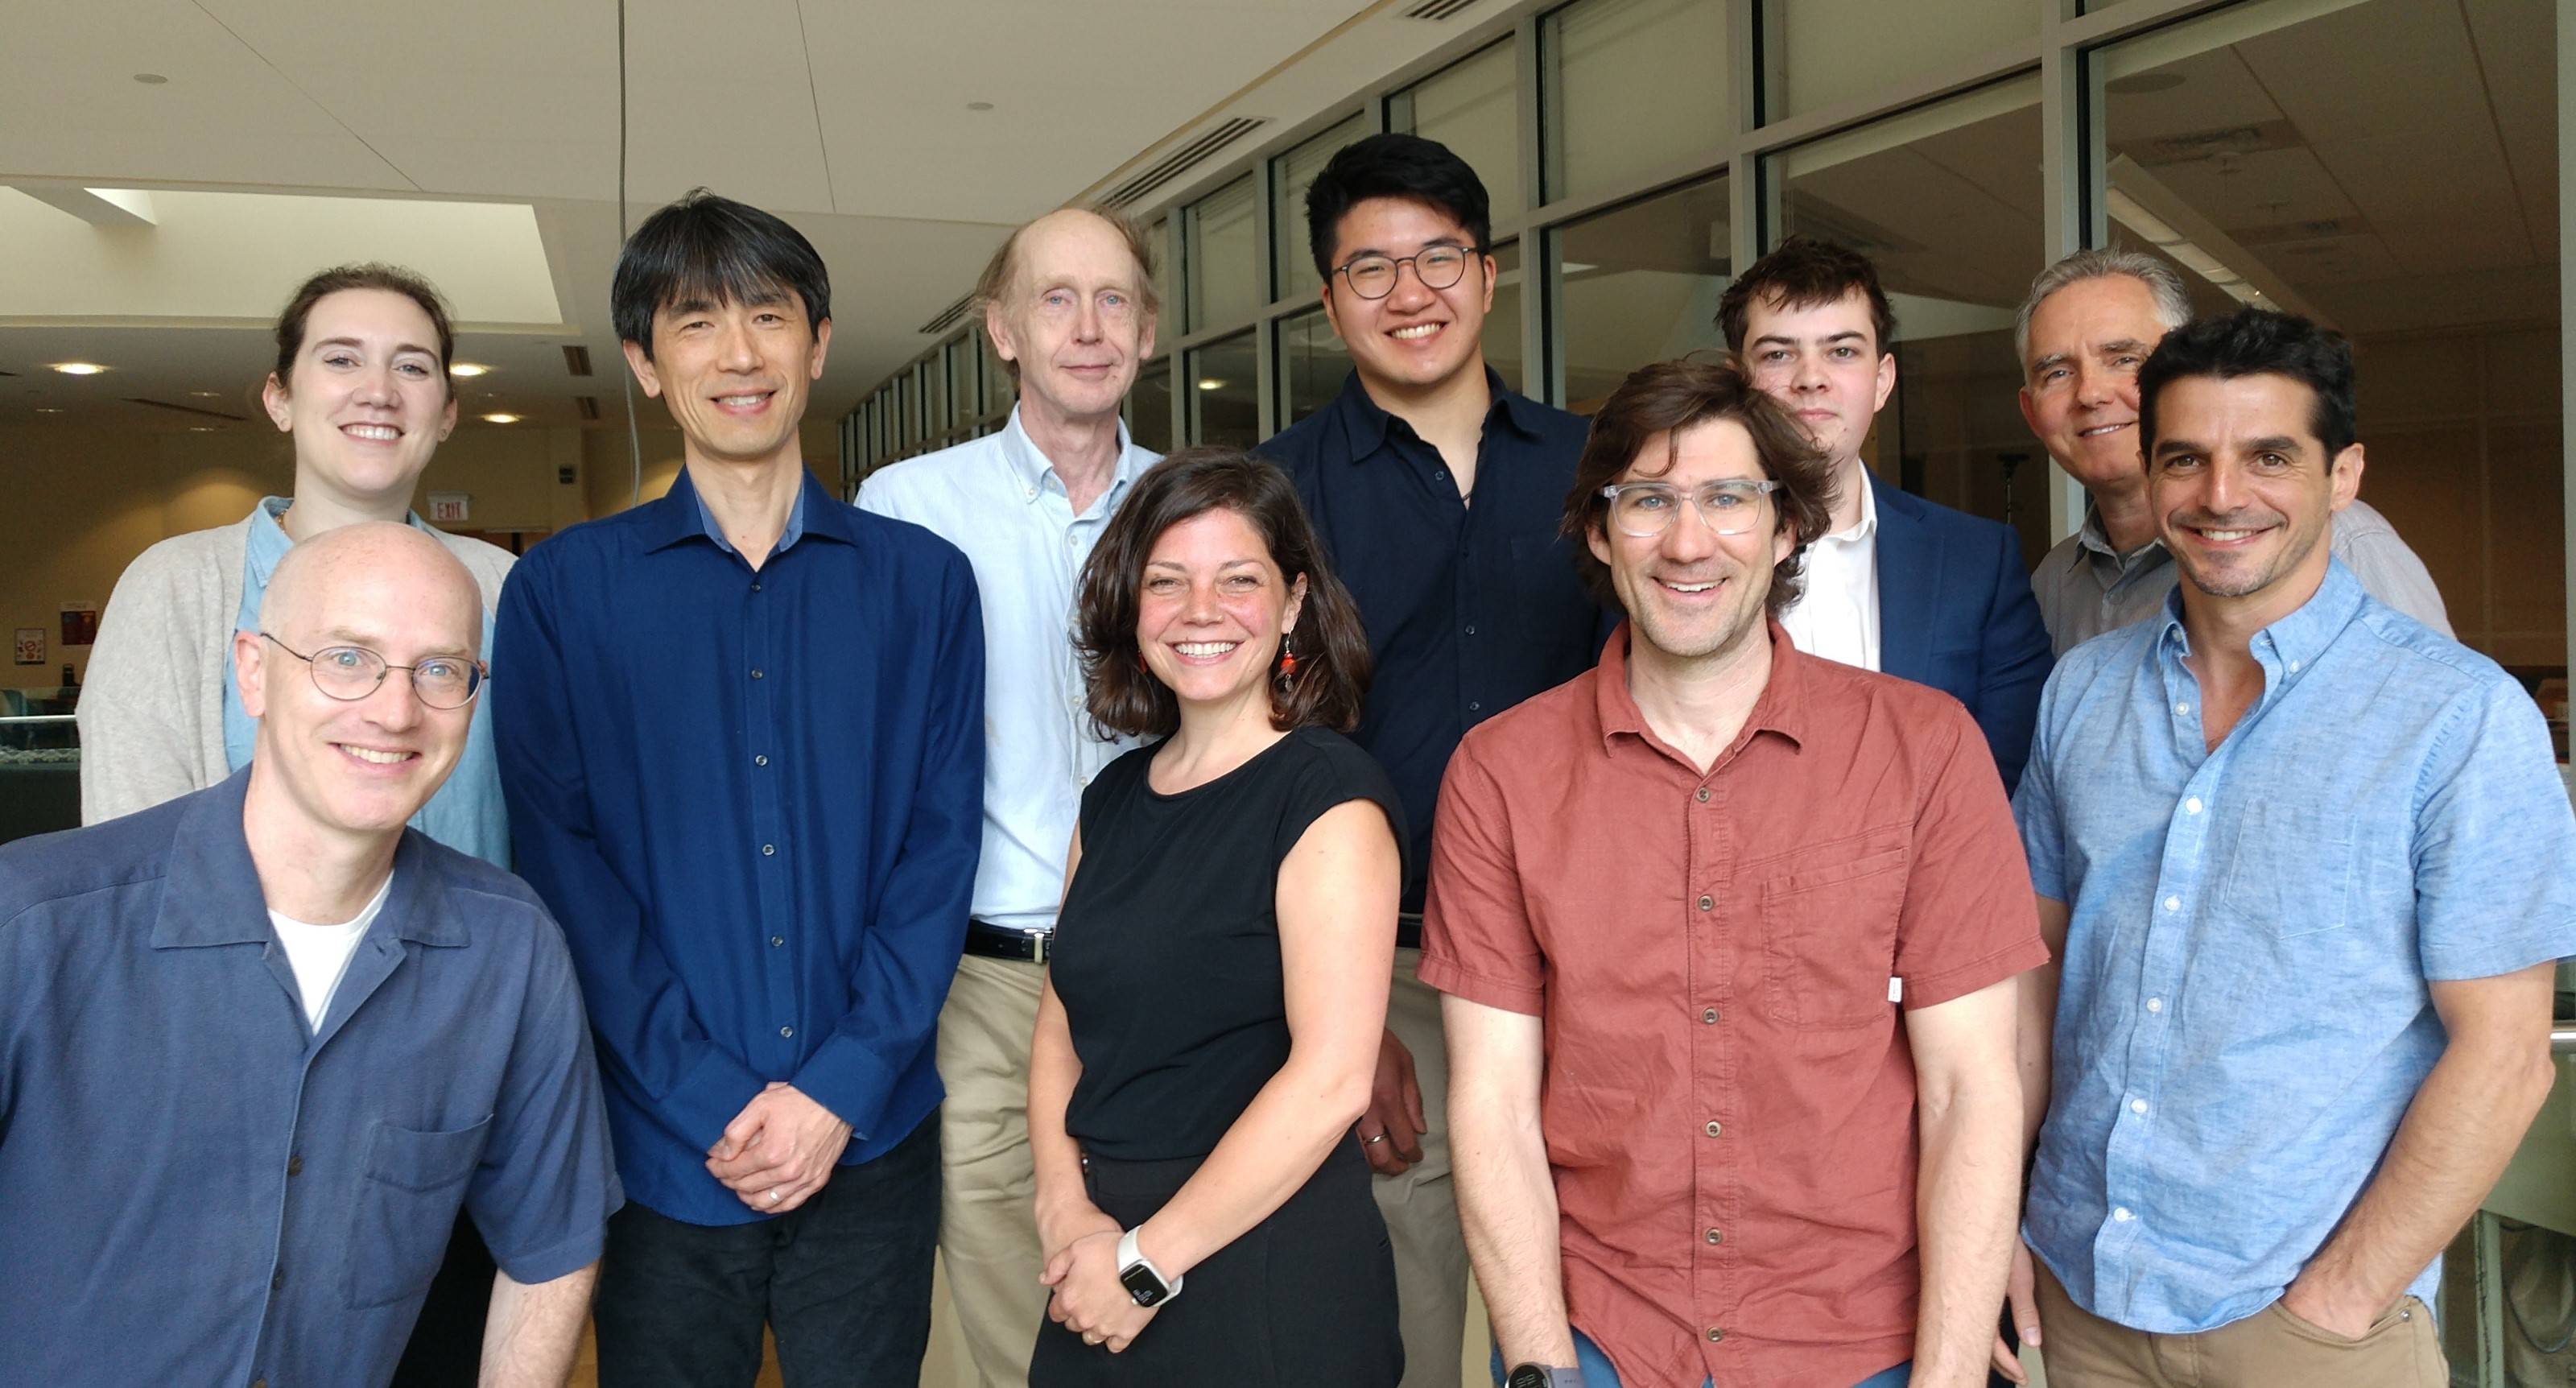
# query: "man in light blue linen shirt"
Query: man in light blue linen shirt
1069,302
2307,865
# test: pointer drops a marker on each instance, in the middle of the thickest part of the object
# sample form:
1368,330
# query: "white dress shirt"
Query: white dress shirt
1836,614
999,499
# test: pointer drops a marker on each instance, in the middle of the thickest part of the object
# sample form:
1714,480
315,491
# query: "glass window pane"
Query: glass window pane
1638,284
2390,170
1313,364
1224,268
1472,107
1291,174
1224,399
1166,308
961,381
934,395
1946,200
907,399
1149,407
1502,335
1820,64
1631,85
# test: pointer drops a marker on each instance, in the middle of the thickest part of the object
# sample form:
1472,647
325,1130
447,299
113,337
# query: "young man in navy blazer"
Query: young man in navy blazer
1899,585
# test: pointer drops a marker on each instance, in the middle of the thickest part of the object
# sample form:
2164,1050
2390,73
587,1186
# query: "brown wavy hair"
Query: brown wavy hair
393,279
1330,644
1667,397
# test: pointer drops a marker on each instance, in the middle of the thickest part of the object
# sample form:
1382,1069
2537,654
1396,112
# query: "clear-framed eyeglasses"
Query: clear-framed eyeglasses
1438,267
351,673
1731,506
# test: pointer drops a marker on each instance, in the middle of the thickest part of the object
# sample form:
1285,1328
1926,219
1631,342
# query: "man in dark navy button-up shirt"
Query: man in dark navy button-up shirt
259,1044
1438,493
741,735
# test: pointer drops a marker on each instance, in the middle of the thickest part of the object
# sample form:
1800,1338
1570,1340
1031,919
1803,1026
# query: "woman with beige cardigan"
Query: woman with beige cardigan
361,384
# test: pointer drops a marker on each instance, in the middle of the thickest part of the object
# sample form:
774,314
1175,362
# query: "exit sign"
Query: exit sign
448,508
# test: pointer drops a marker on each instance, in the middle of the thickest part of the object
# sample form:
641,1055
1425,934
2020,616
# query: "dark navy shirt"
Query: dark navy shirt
197,1186
754,798
1470,608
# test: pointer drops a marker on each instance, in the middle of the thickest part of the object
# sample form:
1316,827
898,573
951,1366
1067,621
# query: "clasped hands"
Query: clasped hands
779,1150
1082,1268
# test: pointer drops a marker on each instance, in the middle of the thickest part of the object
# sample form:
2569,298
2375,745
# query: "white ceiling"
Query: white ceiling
850,120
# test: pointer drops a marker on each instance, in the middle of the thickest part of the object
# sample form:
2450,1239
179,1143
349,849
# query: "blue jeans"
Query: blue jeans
1597,1372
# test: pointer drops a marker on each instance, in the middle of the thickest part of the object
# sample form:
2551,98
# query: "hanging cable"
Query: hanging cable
626,378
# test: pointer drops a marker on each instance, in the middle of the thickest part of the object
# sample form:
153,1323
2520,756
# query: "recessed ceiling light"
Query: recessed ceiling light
500,419
207,394
979,106
49,409
78,368
1210,383
467,368
150,79
201,428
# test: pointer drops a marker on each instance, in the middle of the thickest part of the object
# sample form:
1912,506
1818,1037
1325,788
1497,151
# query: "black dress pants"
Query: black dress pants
842,1281
1307,1296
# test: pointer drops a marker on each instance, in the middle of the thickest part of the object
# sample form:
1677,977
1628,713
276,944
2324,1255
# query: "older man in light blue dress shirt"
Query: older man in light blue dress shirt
1069,303
2309,864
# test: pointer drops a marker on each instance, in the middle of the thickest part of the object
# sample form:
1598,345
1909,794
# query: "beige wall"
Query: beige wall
83,502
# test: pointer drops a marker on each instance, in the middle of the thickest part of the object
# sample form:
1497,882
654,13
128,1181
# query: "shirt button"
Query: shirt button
2294,667
1701,795
1473,706
2191,806
1715,1334
760,760
778,942
2173,903
1716,1236
1708,1015
1471,628
295,1166
1714,1128
2182,710
2121,1215
755,674
2137,1106
787,1032
755,587
2155,1004
769,850
1708,903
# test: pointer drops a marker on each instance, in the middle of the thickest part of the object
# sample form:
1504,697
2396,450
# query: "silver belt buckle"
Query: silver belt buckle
1038,946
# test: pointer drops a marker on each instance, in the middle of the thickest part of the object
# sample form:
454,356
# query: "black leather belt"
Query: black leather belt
998,942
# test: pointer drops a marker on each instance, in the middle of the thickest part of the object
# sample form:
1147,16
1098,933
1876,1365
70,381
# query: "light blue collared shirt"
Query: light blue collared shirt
2244,1015
998,499
466,814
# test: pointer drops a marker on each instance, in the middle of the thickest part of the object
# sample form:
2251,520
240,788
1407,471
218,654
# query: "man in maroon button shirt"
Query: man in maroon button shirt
1726,936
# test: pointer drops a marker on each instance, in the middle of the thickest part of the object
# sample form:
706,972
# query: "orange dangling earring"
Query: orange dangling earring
1287,680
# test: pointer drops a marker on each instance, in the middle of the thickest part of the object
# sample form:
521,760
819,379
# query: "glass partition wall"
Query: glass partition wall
2389,167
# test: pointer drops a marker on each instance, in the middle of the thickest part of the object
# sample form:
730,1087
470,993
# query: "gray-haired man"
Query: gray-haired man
2089,322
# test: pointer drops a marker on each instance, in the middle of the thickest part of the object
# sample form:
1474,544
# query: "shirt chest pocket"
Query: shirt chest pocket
2292,869
406,1208
1829,932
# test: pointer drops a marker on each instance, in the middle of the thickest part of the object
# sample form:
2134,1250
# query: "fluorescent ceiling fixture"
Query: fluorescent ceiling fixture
467,368
78,368
1210,383
500,419
2138,200
238,256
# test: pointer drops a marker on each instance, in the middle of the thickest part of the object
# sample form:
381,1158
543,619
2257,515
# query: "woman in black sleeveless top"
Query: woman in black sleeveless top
1218,983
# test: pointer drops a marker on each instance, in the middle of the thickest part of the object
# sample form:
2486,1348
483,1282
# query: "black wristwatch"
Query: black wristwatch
1542,1376
1144,1281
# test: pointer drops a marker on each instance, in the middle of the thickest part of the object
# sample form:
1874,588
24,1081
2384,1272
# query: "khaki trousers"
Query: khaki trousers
1421,1205
2269,1349
988,1228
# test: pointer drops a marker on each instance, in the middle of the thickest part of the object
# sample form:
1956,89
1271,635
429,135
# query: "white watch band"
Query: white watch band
1129,1256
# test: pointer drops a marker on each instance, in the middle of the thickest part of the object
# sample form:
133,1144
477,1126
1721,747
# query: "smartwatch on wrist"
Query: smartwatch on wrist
1542,1376
1144,1281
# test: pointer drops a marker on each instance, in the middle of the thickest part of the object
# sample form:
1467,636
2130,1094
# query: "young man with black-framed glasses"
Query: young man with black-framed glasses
1437,491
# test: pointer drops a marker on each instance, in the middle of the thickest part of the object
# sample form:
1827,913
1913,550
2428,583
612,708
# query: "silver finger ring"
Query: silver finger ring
1381,1137
774,1196
1091,1339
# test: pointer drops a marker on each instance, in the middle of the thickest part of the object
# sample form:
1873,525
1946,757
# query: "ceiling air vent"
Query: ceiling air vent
946,318
1182,160
1437,10
576,359
182,409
